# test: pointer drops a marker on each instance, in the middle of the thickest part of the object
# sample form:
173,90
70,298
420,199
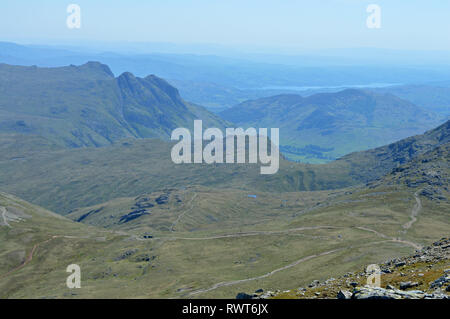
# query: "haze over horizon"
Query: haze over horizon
267,26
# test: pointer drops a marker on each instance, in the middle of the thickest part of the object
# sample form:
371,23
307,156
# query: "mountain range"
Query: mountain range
86,178
217,81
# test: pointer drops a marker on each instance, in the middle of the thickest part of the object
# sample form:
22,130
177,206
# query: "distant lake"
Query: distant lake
347,86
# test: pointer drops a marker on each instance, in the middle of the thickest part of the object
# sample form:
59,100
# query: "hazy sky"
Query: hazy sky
313,24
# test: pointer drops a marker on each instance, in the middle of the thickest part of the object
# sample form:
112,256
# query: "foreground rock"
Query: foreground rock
381,293
344,294
423,275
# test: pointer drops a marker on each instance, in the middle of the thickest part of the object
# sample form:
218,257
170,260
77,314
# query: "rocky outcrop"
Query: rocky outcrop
344,294
428,172
381,293
423,275
89,213
125,254
133,215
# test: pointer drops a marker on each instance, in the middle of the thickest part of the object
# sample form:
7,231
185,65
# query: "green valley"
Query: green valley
325,126
87,178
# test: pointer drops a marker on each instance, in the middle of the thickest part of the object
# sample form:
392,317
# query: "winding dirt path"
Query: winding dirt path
31,254
303,259
172,229
407,242
393,239
414,213
29,257
251,233
5,220
231,283
373,231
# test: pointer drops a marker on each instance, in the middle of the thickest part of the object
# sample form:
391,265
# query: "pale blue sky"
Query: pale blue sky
313,24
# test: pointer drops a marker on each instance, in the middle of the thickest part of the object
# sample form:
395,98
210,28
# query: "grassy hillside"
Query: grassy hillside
325,126
87,106
64,179
215,243
202,242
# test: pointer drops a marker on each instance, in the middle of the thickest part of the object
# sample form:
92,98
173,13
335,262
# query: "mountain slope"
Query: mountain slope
87,106
30,237
371,164
429,173
285,240
62,179
326,126
191,242
186,249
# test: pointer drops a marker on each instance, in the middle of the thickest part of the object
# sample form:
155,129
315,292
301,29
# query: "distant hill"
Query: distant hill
325,126
87,106
434,98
